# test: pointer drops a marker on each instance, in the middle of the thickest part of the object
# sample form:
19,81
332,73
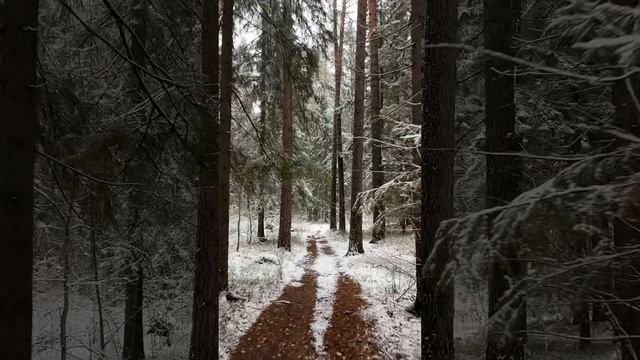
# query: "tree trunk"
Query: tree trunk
66,266
224,144
239,218
342,228
416,115
377,124
502,177
355,223
286,189
261,224
133,345
18,54
96,279
625,234
204,331
250,222
438,93
336,115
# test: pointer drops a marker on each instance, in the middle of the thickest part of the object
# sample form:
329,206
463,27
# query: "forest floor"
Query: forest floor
289,327
325,304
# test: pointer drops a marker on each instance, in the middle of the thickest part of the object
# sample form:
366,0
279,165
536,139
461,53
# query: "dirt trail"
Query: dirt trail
283,329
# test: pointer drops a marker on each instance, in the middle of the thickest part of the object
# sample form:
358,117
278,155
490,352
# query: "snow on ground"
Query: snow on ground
327,269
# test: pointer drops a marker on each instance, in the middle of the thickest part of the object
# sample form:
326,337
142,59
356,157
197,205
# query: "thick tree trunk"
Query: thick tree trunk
18,53
224,142
286,189
342,228
416,115
204,331
377,124
438,130
625,234
133,345
355,223
502,177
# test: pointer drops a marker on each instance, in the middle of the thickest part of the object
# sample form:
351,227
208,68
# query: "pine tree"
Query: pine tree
224,142
438,94
377,124
502,172
18,57
133,344
204,331
355,230
286,190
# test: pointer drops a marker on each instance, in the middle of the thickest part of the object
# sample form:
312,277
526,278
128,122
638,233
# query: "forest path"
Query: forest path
319,317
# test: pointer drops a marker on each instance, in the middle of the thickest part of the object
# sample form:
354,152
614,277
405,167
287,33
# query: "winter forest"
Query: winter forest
320,179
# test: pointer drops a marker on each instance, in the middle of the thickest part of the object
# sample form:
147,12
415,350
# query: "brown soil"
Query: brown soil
349,335
283,329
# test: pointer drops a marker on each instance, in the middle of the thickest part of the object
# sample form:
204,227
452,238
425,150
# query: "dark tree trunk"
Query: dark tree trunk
66,266
204,331
355,222
286,190
334,144
416,116
439,93
250,238
224,143
581,318
133,345
18,54
342,228
377,124
261,224
96,279
625,234
503,179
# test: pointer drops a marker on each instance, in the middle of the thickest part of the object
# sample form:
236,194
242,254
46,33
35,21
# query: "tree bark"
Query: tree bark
502,178
286,189
204,331
96,279
438,93
416,115
66,266
377,124
626,284
355,223
334,144
342,228
261,224
133,345
18,54
224,144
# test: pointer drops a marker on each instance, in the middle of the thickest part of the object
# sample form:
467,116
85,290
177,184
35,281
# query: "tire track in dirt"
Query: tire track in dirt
349,335
283,329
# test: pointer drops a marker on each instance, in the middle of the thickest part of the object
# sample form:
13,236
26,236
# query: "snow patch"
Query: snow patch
327,269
